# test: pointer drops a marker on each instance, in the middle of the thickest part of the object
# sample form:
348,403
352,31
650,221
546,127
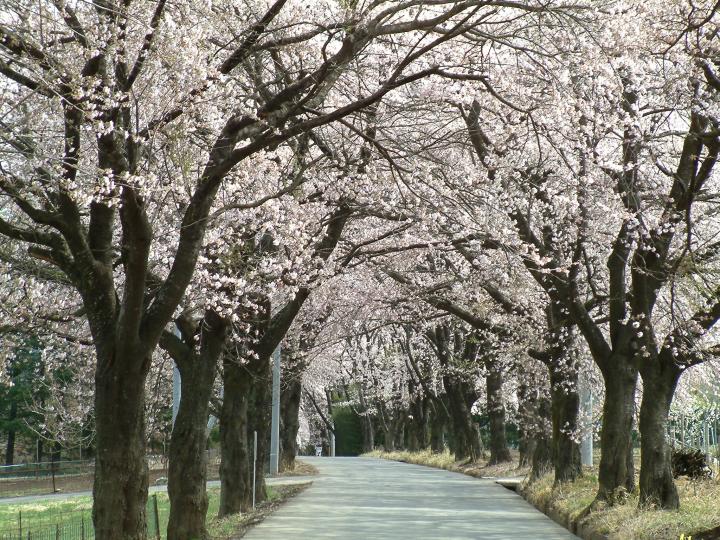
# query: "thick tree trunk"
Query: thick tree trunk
10,448
289,410
527,414
121,472
565,408
187,471
259,418
657,487
438,423
616,463
235,453
388,435
465,440
417,424
499,451
542,460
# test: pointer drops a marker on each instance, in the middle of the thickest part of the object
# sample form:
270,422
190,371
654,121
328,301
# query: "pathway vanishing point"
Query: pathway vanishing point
373,499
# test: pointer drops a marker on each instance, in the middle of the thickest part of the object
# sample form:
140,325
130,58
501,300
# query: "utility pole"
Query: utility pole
275,425
586,445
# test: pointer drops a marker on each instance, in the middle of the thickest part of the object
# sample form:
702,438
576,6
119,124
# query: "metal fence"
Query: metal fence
698,431
69,525
45,469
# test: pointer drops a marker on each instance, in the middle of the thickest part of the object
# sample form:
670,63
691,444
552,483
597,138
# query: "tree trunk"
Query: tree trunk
368,433
388,435
121,472
368,428
10,448
438,422
527,413
565,407
416,424
289,425
259,418
542,460
465,441
235,453
499,451
657,487
187,470
616,465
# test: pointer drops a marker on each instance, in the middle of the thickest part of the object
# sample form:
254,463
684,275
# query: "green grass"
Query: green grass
444,460
46,513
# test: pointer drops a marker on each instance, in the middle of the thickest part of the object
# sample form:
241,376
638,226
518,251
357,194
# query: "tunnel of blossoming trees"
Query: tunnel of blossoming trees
459,223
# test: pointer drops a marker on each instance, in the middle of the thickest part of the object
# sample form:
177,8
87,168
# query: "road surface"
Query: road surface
372,499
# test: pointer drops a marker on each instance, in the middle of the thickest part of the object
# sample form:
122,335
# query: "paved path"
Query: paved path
372,499
277,481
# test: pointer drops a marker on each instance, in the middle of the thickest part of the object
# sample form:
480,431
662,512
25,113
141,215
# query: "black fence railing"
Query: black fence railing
68,525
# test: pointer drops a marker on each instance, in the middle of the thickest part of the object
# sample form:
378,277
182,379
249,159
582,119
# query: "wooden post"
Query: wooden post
57,531
82,527
157,517
20,522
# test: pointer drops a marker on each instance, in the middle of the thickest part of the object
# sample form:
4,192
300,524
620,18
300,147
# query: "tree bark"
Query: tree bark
617,470
565,406
121,472
527,413
499,451
290,399
564,382
389,427
368,428
465,440
438,423
542,460
657,486
259,418
187,470
236,458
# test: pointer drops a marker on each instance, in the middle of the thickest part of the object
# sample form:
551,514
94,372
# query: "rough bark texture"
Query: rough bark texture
290,398
236,458
121,472
565,405
527,414
657,487
438,426
259,418
465,440
187,470
499,451
368,427
542,460
616,466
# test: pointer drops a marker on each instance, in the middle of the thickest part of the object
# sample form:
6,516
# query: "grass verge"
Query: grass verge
447,461
72,518
699,509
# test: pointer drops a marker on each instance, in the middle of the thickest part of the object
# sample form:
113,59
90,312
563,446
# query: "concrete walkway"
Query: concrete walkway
372,499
